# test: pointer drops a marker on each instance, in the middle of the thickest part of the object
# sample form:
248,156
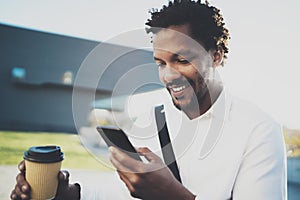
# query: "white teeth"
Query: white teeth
178,89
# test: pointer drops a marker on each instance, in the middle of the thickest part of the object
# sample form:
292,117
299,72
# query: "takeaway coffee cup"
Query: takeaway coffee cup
43,164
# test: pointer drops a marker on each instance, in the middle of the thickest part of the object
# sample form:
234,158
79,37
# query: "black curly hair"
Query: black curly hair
206,22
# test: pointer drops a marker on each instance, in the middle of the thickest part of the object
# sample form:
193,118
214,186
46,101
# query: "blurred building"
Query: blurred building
38,71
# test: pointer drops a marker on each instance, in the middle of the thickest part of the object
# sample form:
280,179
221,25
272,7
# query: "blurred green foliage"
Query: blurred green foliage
13,145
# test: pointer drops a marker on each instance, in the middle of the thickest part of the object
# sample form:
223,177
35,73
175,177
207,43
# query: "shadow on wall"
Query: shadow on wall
37,76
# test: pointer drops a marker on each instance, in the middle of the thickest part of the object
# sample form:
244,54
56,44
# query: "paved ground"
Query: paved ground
103,182
7,180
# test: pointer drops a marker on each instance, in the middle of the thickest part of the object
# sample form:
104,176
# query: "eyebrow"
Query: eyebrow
183,52
157,59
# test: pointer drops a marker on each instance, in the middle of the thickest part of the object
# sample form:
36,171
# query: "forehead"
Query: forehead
176,39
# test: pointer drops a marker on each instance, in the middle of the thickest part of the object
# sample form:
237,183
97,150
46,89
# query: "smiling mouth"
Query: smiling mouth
178,91
178,88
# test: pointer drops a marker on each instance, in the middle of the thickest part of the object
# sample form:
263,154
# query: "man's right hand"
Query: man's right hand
65,191
22,188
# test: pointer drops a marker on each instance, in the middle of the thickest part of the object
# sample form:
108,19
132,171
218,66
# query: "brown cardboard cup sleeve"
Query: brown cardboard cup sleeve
43,164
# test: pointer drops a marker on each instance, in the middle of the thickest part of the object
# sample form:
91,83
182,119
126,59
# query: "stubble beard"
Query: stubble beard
197,98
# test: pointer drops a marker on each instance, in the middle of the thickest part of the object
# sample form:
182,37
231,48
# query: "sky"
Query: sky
262,65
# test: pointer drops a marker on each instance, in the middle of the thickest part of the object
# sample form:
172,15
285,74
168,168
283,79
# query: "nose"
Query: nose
168,74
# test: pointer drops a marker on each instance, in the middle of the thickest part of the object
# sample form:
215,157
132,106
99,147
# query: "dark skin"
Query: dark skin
65,190
148,174
139,176
153,180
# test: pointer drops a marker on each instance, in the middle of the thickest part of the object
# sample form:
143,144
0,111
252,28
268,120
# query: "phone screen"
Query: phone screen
114,136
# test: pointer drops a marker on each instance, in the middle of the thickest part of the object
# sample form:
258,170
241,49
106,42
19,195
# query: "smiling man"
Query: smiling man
226,148
184,68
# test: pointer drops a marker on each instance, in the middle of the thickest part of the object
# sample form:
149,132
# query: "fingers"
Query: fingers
63,175
121,161
22,188
22,183
63,184
132,183
15,195
63,180
149,155
21,166
137,175
125,179
125,165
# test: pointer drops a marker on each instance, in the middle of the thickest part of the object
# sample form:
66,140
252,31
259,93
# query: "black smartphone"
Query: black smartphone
114,136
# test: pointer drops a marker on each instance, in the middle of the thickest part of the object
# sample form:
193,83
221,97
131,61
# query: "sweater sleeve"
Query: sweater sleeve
262,174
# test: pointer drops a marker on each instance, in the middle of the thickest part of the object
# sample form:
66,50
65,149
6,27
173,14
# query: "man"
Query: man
226,148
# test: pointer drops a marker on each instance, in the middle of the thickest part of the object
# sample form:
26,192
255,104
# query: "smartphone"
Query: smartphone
114,136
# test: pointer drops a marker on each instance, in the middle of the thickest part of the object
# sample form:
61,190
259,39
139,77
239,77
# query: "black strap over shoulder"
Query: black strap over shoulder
165,142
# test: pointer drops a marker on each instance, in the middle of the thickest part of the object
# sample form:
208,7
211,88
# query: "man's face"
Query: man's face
183,66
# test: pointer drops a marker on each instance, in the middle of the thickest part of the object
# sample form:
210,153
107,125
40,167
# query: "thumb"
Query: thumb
66,191
63,181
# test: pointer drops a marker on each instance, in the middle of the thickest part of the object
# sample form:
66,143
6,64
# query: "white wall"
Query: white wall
263,60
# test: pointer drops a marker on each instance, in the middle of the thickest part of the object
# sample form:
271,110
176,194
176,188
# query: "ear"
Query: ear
217,57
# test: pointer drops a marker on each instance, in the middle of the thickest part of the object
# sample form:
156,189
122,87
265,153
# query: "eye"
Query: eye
183,61
160,64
